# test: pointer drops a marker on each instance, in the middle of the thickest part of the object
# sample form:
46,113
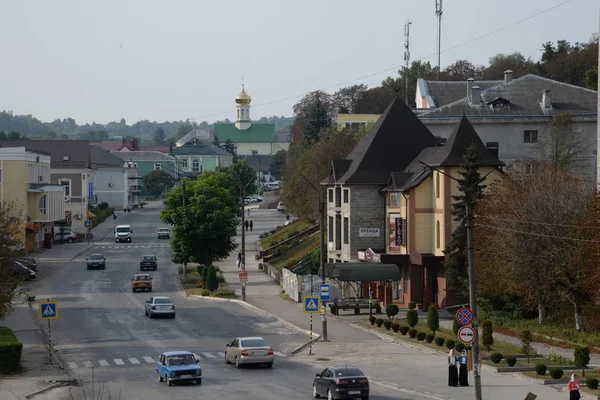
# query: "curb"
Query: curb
305,345
54,385
393,386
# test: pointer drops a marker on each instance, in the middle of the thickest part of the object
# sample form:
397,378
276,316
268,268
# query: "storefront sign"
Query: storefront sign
368,232
398,232
91,191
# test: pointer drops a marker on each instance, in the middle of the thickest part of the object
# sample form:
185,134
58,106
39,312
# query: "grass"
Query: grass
293,255
566,375
192,284
284,234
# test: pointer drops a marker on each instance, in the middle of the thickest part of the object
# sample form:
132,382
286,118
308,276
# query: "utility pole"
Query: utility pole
243,261
438,13
183,202
406,58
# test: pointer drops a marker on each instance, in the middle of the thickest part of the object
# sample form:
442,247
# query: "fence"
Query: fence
298,286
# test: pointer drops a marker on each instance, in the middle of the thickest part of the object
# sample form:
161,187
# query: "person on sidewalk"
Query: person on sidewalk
573,388
251,225
247,225
115,215
463,374
452,370
248,213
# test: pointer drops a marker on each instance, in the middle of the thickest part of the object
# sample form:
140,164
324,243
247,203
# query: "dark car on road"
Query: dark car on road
29,262
148,262
96,261
21,271
341,383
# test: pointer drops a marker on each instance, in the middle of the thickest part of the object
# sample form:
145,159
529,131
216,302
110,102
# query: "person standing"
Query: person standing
251,225
248,213
573,388
239,260
463,374
452,371
115,215
247,225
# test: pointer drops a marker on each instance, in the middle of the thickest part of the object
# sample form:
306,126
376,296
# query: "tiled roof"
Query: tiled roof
393,142
196,132
104,159
523,97
199,147
63,153
446,92
143,156
258,132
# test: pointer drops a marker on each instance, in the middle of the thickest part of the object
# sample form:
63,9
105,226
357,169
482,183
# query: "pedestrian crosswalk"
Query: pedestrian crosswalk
134,246
133,361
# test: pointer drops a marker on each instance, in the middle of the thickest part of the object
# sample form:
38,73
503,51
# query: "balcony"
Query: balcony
45,203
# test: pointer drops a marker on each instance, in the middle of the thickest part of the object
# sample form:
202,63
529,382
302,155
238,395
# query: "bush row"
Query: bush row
414,334
10,351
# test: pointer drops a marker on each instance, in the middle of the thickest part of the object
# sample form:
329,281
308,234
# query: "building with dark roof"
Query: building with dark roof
116,180
197,155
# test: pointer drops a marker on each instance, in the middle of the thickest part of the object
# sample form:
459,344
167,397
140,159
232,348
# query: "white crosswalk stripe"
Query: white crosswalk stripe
134,360
72,365
279,354
88,364
208,355
118,361
221,354
103,363
149,360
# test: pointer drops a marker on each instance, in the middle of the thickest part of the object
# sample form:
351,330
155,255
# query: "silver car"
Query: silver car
249,350
160,306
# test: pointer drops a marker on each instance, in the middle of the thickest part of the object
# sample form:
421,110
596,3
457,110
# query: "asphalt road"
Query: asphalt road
103,336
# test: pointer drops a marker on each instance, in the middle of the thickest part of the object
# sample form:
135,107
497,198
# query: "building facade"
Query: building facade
112,183
198,155
148,161
356,121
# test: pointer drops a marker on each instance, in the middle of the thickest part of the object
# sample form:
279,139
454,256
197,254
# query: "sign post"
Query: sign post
311,306
464,316
48,312
467,334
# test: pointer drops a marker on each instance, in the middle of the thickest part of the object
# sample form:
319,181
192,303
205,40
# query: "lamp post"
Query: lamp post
322,252
243,261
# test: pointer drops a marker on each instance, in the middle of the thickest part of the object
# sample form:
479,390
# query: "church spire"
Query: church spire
242,101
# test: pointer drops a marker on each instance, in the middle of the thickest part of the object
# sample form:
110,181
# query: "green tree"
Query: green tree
456,262
581,356
216,141
10,247
526,339
318,118
240,173
348,97
278,164
211,283
159,137
487,337
433,319
391,310
230,147
455,325
158,181
14,135
3,135
184,129
516,62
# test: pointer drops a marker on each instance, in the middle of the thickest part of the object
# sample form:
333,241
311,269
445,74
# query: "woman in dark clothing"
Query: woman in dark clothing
452,370
463,374
246,223
251,225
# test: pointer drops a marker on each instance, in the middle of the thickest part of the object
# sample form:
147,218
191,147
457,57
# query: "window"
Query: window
330,195
346,196
157,167
346,221
330,229
43,204
184,163
437,185
437,234
195,165
67,185
530,136
395,199
338,232
338,196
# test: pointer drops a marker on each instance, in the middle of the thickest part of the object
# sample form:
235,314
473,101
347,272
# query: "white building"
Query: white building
116,181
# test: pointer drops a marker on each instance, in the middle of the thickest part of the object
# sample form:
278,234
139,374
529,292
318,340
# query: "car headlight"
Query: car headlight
172,374
199,372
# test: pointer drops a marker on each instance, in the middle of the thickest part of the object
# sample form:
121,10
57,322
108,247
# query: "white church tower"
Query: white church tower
243,110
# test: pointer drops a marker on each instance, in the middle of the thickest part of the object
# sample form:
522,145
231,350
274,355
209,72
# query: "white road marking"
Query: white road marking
208,355
279,354
149,360
88,364
221,354
103,363
134,360
118,361
72,365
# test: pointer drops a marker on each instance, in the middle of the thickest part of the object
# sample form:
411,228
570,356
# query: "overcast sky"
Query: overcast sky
171,60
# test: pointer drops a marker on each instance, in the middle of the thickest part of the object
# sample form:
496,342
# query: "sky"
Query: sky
180,59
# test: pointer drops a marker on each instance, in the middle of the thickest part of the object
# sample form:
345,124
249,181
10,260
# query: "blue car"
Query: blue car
178,366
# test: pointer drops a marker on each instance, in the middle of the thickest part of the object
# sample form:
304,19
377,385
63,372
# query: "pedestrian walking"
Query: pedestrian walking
247,225
248,213
573,388
463,374
251,225
239,260
115,215
452,370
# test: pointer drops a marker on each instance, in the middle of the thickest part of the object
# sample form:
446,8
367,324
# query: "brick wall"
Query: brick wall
367,206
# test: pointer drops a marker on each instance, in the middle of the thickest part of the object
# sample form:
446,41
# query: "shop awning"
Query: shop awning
363,272
91,214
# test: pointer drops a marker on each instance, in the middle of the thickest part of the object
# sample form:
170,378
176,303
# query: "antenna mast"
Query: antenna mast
438,13
406,58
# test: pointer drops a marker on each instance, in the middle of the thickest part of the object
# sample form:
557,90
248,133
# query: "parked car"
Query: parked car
65,236
341,383
160,306
163,233
29,262
178,366
148,262
281,206
249,350
21,271
95,261
141,282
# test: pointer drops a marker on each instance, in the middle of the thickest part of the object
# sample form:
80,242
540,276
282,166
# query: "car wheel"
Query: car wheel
315,394
198,381
270,365
329,395
237,363
227,359
173,315
160,378
145,312
169,382
69,240
133,290
150,289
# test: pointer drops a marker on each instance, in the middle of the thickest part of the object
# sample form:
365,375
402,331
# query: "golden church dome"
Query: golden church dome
243,97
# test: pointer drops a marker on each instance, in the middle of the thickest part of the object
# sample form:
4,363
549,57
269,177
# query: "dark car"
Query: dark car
29,262
21,271
96,261
148,262
341,383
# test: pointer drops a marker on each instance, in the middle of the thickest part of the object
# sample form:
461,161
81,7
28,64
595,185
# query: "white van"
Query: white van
123,233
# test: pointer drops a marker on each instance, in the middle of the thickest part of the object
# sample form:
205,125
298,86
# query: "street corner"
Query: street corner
38,388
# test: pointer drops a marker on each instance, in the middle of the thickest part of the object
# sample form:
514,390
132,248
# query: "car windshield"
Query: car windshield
348,372
122,230
96,257
141,277
254,343
148,258
163,230
163,300
181,360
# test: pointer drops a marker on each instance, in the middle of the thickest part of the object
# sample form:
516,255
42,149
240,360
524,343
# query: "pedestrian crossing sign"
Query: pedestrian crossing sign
48,310
311,304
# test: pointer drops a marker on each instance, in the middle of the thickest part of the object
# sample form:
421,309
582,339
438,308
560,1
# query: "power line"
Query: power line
538,234
538,223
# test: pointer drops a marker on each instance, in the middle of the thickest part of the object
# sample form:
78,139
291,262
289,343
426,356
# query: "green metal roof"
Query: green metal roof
256,133
199,147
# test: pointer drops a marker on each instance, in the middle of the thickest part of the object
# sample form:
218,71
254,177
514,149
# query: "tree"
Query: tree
347,98
516,62
569,63
581,356
204,229
238,175
433,319
391,310
159,137
230,147
216,141
158,181
487,337
526,339
471,189
377,99
412,318
11,235
211,283
3,135
278,164
563,146
461,70
318,118
14,135
184,129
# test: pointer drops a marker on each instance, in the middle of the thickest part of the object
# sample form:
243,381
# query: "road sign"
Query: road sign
311,304
466,334
243,276
464,316
48,310
88,223
324,292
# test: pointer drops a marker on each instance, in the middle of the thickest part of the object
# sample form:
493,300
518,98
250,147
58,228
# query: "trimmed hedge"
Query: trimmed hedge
421,336
450,344
496,357
440,341
541,369
429,338
379,322
10,351
412,333
387,324
395,327
592,383
372,320
556,373
404,329
511,361
460,347
224,294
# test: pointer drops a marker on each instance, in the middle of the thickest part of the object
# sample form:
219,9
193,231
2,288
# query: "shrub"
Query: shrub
412,305
372,320
211,282
440,341
10,351
460,346
412,333
205,292
540,369
450,344
511,361
188,280
592,383
455,326
404,329
526,339
556,373
487,337
379,322
199,268
224,294
387,323
391,310
395,327
421,336
429,338
199,284
412,318
433,319
581,356
496,357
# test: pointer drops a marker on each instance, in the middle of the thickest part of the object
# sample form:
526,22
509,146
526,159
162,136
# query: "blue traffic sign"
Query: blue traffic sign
464,316
88,223
325,292
48,310
311,304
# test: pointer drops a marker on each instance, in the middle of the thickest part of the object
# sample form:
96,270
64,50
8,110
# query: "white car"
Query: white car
281,207
65,236
160,306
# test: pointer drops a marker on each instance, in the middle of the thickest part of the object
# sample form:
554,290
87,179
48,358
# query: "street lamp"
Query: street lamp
243,260
322,251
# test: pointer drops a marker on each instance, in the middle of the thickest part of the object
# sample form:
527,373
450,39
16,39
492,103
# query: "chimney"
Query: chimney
470,83
546,103
475,96
507,76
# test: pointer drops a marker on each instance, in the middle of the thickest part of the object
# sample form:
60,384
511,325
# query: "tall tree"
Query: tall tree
3,135
461,70
184,129
216,141
159,137
158,181
230,147
563,145
347,98
278,164
14,135
377,99
516,62
11,234
318,118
